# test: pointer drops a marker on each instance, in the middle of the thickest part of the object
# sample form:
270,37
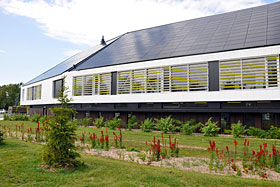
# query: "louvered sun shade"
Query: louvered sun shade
251,73
99,84
190,77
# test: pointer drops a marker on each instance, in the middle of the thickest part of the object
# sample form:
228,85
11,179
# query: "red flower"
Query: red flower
227,148
101,132
209,149
114,133
253,152
235,142
248,144
119,127
146,143
232,160
264,145
260,146
82,139
245,142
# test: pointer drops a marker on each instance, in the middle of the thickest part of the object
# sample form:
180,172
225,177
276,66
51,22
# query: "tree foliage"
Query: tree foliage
9,95
60,150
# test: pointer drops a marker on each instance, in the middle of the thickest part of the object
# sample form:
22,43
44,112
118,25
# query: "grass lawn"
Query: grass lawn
19,167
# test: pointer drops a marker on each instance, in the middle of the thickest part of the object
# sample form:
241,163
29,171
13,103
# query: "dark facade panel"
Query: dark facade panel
213,76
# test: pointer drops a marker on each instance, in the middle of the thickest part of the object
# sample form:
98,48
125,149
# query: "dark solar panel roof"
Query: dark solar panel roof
253,27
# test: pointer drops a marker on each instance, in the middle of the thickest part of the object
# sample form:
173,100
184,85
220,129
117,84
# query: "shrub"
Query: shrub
132,122
238,130
85,121
273,133
166,124
114,123
35,118
188,129
99,122
43,119
210,128
147,125
19,117
6,117
253,131
1,138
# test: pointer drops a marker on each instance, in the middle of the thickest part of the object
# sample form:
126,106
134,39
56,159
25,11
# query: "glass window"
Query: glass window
57,86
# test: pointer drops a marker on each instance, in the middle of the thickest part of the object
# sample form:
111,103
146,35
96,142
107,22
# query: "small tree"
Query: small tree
60,150
132,122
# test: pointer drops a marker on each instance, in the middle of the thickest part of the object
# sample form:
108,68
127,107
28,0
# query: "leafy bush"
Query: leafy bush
253,131
19,117
1,138
238,130
147,125
6,117
114,123
35,118
43,119
166,124
99,122
132,122
85,121
273,133
188,129
210,128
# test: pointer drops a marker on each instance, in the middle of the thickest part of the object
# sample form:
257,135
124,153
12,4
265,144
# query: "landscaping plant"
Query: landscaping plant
114,123
238,130
188,129
85,121
210,128
35,117
99,122
132,122
60,150
147,125
165,124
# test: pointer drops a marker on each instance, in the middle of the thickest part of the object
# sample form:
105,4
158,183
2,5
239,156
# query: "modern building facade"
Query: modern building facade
223,66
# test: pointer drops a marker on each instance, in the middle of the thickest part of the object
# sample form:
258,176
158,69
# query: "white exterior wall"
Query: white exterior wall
197,96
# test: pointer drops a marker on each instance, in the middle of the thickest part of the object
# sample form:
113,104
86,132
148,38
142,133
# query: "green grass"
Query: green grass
19,163
137,139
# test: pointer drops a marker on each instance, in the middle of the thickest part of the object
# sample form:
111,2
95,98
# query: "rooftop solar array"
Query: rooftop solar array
253,27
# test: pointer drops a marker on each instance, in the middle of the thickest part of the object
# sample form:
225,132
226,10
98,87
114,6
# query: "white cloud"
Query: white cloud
84,22
69,53
2,51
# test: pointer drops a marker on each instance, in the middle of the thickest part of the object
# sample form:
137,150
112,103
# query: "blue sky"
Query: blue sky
35,35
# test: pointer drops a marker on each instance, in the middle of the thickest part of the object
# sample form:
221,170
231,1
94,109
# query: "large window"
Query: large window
98,84
254,73
57,86
190,77
34,92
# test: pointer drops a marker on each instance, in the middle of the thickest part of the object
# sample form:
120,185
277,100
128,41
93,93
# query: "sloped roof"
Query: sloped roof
247,28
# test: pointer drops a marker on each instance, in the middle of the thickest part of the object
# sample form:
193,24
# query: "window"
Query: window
34,92
99,84
191,77
254,73
57,86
